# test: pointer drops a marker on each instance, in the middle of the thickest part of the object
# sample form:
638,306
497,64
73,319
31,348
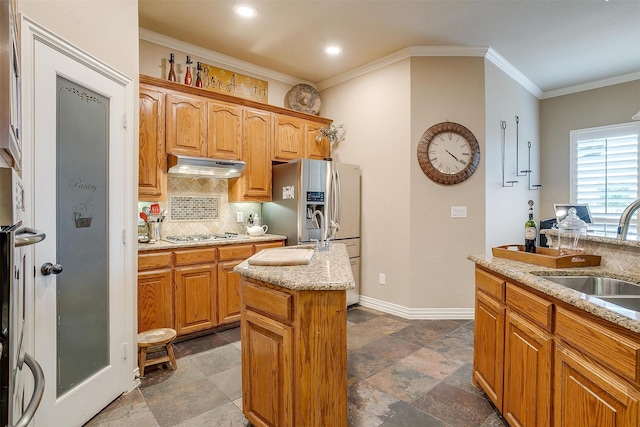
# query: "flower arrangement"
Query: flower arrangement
335,134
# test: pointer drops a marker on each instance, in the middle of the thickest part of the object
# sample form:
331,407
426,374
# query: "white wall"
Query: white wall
375,109
558,116
507,207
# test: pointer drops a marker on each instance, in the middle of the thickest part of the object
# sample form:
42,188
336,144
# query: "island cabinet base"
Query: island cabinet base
294,356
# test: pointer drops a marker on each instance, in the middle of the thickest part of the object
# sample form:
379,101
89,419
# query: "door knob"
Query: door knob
48,268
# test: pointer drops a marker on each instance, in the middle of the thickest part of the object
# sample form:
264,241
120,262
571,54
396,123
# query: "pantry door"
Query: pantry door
78,152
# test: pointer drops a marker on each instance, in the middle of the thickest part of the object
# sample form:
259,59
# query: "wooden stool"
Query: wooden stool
155,338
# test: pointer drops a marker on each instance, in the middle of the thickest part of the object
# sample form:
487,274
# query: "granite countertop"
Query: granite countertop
327,271
527,274
163,244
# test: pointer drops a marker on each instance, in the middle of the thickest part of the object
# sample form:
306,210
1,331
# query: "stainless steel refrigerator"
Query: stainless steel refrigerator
304,186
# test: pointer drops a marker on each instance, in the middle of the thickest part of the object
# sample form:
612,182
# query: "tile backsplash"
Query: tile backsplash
200,206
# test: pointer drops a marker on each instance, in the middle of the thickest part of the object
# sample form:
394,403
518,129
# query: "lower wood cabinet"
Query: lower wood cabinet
543,362
267,371
527,373
155,299
192,290
195,298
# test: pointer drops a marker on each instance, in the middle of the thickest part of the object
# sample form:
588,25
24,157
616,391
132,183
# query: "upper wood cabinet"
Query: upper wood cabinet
255,183
152,161
288,138
186,125
314,148
224,131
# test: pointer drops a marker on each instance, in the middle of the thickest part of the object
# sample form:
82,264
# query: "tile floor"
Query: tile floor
400,373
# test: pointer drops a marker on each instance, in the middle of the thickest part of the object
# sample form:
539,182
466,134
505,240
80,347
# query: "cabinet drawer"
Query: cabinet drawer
148,261
532,306
195,256
353,247
268,245
615,350
267,300
235,252
489,283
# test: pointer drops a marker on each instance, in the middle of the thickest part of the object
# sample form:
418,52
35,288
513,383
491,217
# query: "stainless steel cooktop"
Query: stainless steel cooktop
206,237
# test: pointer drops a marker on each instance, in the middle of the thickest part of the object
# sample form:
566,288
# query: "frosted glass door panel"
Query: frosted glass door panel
82,228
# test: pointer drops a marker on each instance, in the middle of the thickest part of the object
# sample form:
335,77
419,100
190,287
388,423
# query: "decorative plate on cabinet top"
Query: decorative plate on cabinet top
305,98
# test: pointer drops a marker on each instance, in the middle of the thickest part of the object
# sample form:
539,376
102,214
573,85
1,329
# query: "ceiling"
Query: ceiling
555,44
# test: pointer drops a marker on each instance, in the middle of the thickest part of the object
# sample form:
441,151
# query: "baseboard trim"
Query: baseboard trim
416,313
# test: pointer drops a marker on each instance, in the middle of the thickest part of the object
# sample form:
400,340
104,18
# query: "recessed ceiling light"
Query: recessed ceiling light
333,50
245,11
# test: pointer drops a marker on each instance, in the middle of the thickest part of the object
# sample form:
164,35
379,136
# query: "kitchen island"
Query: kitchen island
294,341
546,354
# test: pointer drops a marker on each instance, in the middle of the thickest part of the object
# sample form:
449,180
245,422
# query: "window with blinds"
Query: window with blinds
604,172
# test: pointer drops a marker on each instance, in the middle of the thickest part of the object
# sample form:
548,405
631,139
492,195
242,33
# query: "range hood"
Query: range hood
205,167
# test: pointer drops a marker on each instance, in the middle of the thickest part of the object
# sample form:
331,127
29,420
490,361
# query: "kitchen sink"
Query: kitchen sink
598,286
630,302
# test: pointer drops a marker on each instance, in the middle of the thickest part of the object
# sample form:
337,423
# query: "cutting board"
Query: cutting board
282,256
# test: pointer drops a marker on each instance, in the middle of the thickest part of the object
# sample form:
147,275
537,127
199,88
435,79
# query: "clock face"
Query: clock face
448,153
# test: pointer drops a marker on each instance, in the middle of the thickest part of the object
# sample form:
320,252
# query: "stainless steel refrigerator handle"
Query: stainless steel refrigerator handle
337,199
28,236
38,391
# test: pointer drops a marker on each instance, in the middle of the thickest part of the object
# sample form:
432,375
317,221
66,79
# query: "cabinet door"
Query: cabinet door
195,298
186,125
152,159
315,149
255,183
288,138
527,373
267,371
155,298
224,131
488,346
587,395
228,292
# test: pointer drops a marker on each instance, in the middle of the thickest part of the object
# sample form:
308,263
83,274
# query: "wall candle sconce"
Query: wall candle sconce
518,148
528,172
503,126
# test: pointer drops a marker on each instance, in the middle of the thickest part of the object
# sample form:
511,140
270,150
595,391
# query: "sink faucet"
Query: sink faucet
323,243
625,219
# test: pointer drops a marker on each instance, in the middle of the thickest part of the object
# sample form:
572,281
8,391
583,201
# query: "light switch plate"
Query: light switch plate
239,216
458,211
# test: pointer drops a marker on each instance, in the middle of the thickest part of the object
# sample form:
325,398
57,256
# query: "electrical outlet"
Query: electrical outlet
382,279
240,216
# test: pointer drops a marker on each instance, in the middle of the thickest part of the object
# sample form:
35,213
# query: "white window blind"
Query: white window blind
605,174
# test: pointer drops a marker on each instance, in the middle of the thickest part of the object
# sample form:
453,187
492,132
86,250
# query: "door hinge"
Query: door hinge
124,236
124,351
124,121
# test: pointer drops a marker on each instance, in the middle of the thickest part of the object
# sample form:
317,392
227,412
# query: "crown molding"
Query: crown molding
218,58
416,51
591,85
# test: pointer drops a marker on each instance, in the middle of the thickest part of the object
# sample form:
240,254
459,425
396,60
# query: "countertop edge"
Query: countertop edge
143,247
328,270
524,274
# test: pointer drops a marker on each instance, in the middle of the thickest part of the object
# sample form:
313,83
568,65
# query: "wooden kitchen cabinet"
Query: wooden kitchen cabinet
224,131
588,395
196,290
152,159
315,149
155,291
288,138
255,183
186,125
488,343
294,355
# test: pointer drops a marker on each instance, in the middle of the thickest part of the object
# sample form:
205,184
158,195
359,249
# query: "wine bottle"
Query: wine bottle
198,76
530,231
172,72
187,75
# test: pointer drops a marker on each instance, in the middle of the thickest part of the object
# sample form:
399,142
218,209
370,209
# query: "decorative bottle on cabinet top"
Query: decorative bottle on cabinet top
530,232
172,72
198,76
187,75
